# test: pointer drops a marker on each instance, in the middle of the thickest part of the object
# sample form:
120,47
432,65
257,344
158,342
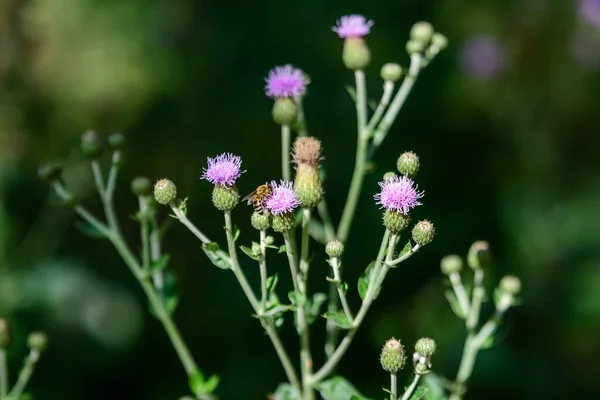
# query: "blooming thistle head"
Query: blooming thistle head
352,28
286,81
281,204
398,194
223,171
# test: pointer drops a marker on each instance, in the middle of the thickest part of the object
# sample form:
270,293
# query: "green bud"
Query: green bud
392,356
395,221
356,54
165,192
50,172
421,31
141,186
391,72
307,185
422,369
438,40
423,232
285,111
256,250
425,347
335,248
116,141
479,255
389,175
261,222
225,198
284,223
510,284
269,240
451,264
414,46
37,341
4,334
91,144
408,164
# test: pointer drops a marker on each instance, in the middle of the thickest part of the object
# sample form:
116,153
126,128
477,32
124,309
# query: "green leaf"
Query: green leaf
418,393
201,387
315,307
338,388
89,230
352,92
236,233
214,257
317,231
169,294
406,249
212,246
373,104
455,305
271,283
161,263
344,287
285,391
248,251
297,299
282,249
211,384
435,388
365,280
338,318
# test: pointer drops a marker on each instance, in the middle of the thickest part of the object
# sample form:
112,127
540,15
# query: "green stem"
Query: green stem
112,176
305,352
477,299
397,103
158,278
411,388
379,275
263,270
398,260
3,374
359,163
393,386
459,290
24,376
291,260
326,218
286,169
143,202
388,90
340,291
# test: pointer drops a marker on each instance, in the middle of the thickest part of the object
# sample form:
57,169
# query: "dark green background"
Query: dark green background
511,159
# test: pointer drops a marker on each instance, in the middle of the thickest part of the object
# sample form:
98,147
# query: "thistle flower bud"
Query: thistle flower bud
141,186
423,232
37,341
408,164
479,255
91,145
510,284
335,248
256,250
269,240
414,46
284,111
225,198
422,369
421,31
116,141
389,175
284,222
395,221
260,222
50,172
392,356
391,72
439,41
425,347
307,183
356,54
4,334
165,192
451,264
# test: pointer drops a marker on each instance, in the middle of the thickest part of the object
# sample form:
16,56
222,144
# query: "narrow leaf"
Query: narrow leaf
236,233
352,92
317,231
315,307
212,246
248,251
338,388
282,249
365,281
285,391
406,249
338,318
271,283
455,304
419,393
214,257
161,263
88,230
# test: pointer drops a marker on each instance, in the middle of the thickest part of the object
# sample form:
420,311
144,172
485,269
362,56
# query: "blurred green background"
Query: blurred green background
505,122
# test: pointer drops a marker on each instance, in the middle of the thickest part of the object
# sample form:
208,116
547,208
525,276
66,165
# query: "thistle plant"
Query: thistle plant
292,216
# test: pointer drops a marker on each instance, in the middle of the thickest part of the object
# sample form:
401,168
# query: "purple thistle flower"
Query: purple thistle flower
285,81
353,26
283,200
483,56
223,170
399,194
589,11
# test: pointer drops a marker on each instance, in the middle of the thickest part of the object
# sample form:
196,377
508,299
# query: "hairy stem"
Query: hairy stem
286,169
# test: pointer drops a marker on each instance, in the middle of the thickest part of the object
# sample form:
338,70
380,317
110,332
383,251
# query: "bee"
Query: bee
258,197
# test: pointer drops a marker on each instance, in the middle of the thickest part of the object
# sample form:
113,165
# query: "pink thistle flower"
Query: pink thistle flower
285,81
223,170
283,200
399,194
353,26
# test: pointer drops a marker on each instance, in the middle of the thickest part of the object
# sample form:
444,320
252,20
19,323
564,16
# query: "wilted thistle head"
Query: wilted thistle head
399,194
307,150
307,183
353,26
223,170
392,356
285,81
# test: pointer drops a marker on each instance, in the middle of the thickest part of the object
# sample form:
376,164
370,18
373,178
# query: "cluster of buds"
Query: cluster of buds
424,349
425,41
393,356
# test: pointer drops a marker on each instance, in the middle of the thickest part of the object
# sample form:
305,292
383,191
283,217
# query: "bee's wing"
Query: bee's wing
249,197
